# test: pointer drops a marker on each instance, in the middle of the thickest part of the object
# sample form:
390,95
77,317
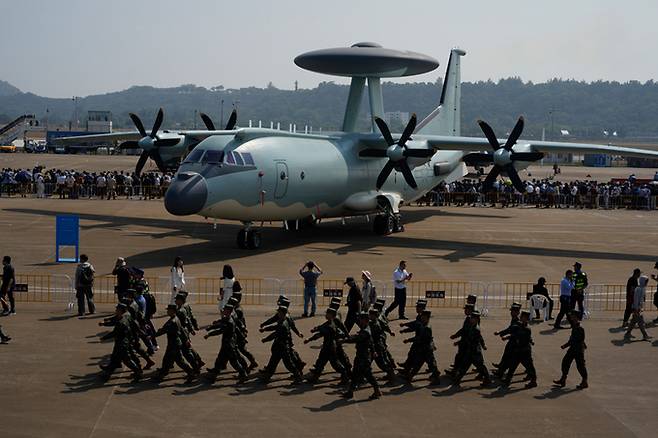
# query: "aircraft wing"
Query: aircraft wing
110,137
474,144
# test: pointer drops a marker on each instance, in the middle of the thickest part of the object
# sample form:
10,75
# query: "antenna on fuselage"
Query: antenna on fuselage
365,62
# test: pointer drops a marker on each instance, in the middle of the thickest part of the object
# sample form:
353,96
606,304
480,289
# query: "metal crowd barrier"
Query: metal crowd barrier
84,191
46,288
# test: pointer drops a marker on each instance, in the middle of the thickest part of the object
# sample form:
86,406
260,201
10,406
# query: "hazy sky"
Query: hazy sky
61,48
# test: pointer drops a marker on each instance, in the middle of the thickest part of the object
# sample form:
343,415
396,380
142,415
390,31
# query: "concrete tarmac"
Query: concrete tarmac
51,388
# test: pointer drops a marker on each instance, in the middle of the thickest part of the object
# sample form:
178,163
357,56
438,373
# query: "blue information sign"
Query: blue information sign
67,233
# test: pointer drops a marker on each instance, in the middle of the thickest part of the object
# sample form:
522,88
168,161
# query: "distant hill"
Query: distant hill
6,89
584,109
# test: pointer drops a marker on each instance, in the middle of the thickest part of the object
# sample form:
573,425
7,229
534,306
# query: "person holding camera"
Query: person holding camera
310,273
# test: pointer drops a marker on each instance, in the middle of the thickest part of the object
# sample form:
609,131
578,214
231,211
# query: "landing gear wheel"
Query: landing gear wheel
383,224
242,239
398,227
253,239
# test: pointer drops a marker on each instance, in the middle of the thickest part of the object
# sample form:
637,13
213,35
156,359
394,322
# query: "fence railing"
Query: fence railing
48,288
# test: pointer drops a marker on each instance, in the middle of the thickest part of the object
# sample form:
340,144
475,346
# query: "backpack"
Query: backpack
87,276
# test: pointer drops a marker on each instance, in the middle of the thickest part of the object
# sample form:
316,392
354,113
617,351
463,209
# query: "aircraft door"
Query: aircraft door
281,180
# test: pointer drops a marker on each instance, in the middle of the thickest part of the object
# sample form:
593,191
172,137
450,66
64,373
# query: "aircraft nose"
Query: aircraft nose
187,194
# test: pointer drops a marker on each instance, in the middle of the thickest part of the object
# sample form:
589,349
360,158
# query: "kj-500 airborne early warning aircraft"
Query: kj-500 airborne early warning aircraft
253,175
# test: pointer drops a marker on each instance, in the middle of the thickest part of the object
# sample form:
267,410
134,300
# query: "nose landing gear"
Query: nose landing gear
248,237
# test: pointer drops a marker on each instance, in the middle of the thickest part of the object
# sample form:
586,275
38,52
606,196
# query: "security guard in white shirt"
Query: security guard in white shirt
400,278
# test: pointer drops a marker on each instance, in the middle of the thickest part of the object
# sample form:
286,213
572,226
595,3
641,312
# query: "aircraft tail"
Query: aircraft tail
446,118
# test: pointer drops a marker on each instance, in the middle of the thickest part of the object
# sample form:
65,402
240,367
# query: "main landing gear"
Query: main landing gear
248,237
387,223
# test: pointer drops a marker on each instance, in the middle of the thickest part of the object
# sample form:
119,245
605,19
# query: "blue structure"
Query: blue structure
67,233
597,160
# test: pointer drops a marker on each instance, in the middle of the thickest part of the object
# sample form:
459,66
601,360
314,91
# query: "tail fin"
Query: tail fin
446,118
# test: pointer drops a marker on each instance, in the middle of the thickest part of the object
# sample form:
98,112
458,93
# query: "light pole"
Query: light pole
221,113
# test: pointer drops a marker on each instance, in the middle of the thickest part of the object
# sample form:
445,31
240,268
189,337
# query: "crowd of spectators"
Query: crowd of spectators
72,184
547,193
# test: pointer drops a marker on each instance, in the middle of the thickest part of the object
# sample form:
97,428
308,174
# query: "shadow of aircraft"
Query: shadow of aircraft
355,237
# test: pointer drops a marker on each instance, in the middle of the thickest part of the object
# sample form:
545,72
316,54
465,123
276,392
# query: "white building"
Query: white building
99,121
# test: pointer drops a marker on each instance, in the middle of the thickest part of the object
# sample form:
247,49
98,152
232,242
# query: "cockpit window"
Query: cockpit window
229,158
194,156
213,157
248,160
238,159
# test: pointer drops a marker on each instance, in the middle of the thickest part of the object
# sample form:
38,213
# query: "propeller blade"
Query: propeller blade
386,133
408,130
166,142
514,177
130,144
138,124
515,134
526,156
155,156
488,132
489,180
232,120
418,153
157,123
141,162
210,126
375,153
383,175
408,176
477,158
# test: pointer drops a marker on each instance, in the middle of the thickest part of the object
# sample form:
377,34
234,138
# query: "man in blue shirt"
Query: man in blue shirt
310,273
566,304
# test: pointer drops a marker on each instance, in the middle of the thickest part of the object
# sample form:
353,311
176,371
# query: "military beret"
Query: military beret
334,306
471,297
515,305
180,296
336,299
373,310
285,304
331,310
525,313
427,313
184,293
363,315
172,307
282,298
421,303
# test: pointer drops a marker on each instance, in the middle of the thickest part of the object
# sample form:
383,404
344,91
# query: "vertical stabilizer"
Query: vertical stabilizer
446,118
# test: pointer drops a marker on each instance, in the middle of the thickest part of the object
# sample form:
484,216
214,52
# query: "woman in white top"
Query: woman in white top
368,290
177,278
227,288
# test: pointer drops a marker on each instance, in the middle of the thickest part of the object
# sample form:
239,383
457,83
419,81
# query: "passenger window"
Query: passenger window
213,157
195,156
238,159
229,158
248,160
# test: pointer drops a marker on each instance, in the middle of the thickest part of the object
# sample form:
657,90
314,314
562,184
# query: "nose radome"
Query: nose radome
187,194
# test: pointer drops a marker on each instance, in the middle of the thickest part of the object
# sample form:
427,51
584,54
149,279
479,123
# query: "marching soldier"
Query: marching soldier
362,369
330,335
176,337
472,345
411,326
285,302
281,347
422,349
123,344
241,329
136,319
382,355
504,362
342,333
189,328
520,336
228,351
468,309
575,351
